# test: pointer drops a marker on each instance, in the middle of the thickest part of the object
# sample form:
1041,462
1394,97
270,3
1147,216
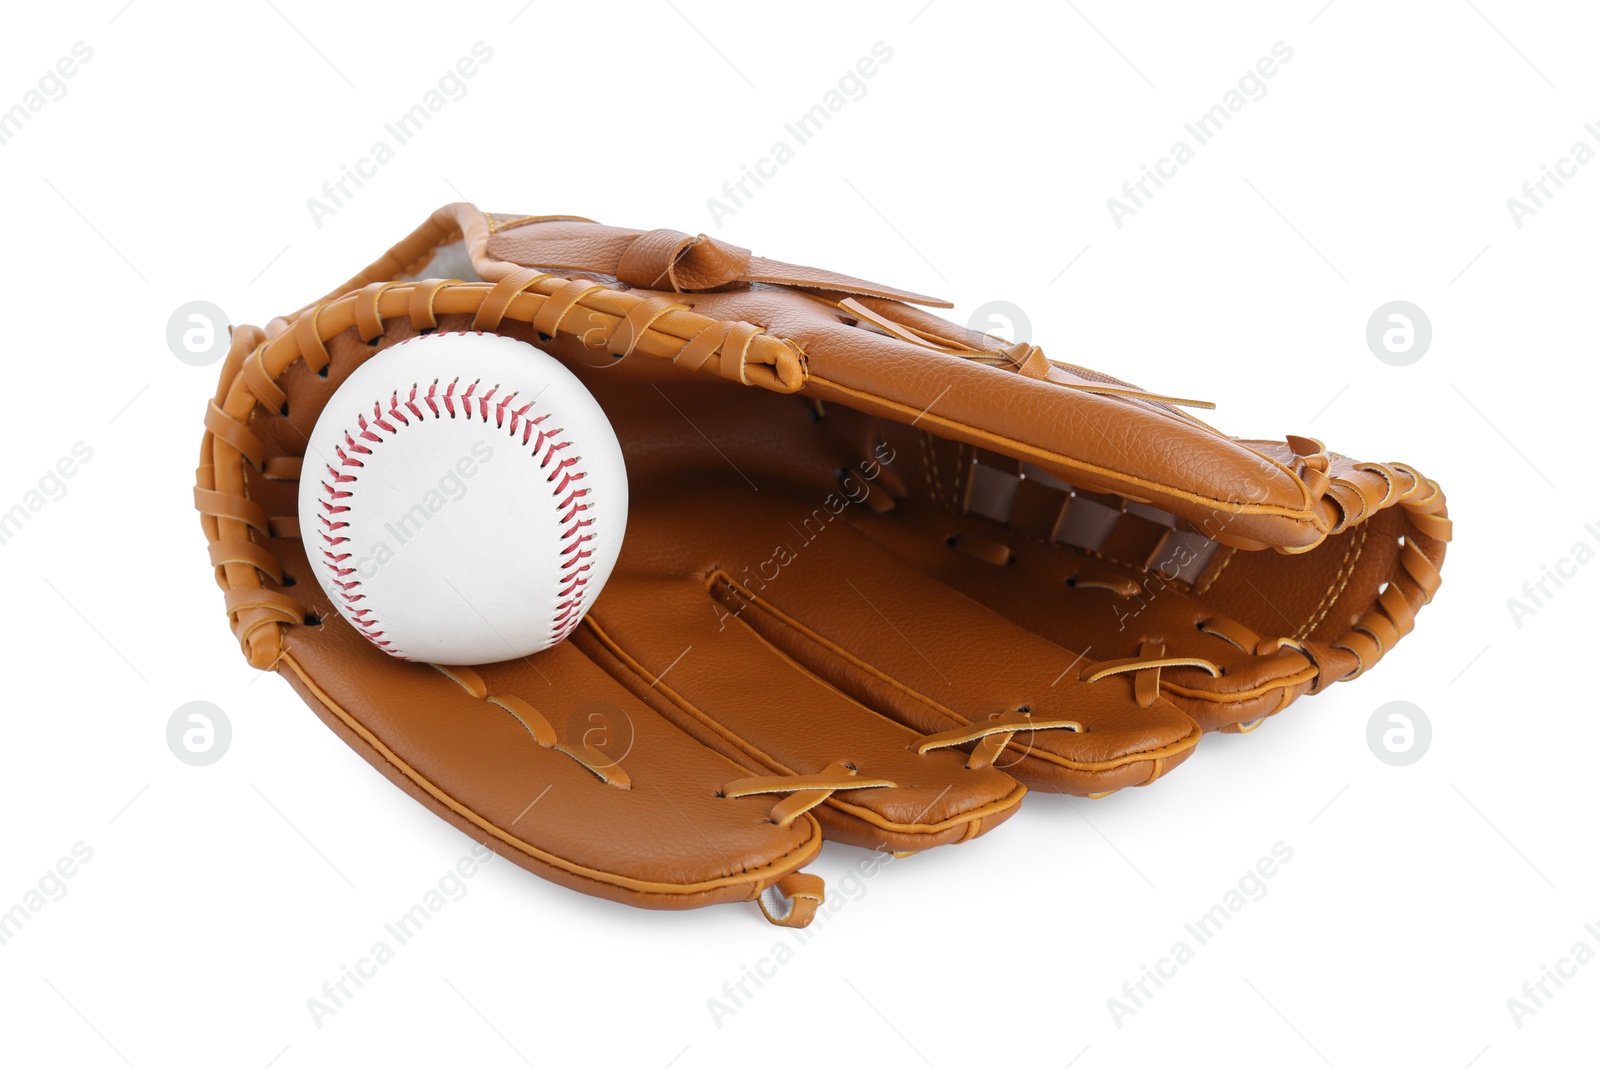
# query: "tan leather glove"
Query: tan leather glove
880,571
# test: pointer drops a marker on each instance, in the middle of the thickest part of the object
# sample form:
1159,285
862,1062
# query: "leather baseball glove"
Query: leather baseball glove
880,571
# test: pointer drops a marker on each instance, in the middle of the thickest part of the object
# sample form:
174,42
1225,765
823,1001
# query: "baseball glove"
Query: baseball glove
880,571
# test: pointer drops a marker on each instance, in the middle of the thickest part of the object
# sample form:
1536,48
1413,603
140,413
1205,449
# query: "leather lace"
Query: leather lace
805,792
993,735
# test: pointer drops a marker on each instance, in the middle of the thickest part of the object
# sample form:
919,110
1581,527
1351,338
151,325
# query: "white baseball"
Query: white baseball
463,499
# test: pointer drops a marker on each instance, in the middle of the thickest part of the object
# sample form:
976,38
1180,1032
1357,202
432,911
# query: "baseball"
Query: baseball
463,499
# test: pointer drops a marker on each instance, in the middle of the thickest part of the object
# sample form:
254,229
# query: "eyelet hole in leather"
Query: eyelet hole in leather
313,619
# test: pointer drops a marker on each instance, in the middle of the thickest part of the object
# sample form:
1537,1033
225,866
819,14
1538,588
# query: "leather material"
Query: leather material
668,260
881,573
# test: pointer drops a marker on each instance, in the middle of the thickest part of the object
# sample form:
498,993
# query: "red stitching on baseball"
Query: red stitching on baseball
570,503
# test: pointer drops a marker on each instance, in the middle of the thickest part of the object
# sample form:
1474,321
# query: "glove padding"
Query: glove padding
880,571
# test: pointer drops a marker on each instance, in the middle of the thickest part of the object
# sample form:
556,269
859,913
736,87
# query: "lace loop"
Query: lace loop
805,792
1146,670
993,735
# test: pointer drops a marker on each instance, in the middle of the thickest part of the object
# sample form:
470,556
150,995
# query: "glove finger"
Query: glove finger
784,591
551,763
863,347
1088,569
692,660
1086,602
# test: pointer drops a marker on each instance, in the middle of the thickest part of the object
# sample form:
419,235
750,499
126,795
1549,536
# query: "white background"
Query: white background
977,165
